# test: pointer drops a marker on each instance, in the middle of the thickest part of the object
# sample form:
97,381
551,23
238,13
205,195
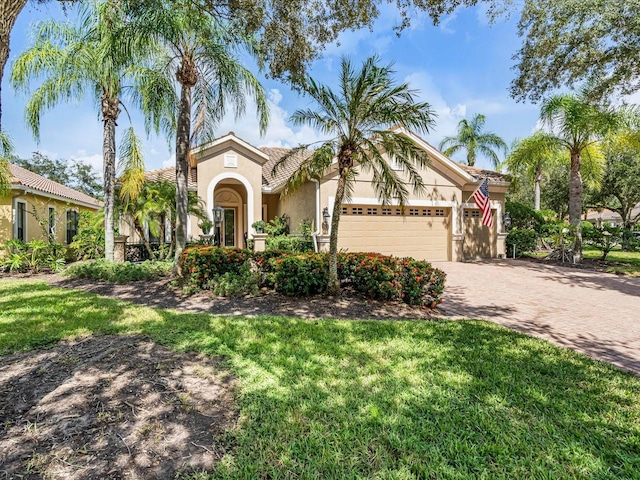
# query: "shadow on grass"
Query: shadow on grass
340,399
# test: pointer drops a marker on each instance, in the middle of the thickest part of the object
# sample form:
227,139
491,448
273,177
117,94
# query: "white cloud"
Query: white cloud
279,133
444,24
169,162
93,159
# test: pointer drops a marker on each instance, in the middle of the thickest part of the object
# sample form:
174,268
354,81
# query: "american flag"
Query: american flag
481,197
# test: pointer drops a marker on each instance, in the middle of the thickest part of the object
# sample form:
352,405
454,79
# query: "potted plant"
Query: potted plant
205,226
259,226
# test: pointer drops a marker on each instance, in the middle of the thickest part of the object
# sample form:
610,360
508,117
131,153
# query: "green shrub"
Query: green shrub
524,217
301,274
604,238
422,284
200,264
522,240
33,256
89,241
277,226
294,244
245,282
376,276
118,272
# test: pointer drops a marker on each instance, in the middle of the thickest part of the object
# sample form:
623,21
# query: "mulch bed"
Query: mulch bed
112,407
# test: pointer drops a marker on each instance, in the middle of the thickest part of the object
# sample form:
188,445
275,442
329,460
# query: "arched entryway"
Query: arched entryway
233,193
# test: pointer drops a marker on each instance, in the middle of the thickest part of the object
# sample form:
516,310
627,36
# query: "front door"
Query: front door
229,227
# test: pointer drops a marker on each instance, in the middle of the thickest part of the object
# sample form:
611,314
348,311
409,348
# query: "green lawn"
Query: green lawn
626,263
377,399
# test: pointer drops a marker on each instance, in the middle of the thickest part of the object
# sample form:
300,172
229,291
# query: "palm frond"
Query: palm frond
131,166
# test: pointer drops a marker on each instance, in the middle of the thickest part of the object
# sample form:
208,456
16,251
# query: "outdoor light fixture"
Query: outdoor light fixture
325,220
218,213
506,220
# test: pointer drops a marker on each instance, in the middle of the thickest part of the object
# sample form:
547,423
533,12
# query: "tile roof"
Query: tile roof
169,174
479,173
28,179
283,174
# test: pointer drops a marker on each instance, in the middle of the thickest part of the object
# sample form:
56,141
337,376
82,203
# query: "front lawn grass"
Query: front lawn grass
376,399
624,263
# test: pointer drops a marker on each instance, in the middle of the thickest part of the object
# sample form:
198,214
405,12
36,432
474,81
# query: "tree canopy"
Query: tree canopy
75,174
567,42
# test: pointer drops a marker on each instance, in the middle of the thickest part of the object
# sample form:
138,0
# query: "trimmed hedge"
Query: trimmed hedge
373,275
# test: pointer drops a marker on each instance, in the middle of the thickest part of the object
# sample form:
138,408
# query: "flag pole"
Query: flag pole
474,192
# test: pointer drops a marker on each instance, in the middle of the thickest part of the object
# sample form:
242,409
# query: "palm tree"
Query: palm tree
94,57
155,207
202,57
577,125
365,119
471,138
6,149
532,157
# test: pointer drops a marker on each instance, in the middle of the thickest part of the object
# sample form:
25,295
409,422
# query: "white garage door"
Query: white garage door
422,233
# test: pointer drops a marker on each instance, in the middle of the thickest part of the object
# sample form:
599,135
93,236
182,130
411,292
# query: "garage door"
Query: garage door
422,232
479,240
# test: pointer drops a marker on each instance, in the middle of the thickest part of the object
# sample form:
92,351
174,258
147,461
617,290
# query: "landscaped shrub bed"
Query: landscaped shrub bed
118,272
373,275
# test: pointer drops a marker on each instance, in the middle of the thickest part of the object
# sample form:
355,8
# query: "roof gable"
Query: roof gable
21,177
230,140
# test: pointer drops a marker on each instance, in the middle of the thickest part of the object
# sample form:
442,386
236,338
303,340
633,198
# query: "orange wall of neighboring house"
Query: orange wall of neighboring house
37,210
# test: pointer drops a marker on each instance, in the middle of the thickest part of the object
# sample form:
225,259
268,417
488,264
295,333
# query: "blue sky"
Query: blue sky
461,67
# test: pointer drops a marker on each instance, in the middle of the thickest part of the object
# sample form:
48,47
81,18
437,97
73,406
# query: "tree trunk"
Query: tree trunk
536,194
146,243
575,204
334,281
187,76
110,111
9,11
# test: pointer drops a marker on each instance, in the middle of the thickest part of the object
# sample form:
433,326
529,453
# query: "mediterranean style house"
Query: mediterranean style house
443,224
39,208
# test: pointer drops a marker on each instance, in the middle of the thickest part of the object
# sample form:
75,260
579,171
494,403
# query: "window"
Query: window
398,211
395,165
52,224
356,210
439,212
372,211
231,160
21,221
426,212
345,210
386,211
72,225
413,212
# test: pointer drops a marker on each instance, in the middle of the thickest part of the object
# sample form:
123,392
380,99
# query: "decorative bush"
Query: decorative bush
604,238
32,256
422,284
377,276
118,272
237,272
302,274
294,244
522,240
89,241
200,264
524,217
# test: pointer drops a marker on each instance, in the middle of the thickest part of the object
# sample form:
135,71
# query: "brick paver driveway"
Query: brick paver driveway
595,313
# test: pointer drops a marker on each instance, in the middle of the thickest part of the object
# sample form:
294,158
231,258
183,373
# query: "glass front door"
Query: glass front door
229,227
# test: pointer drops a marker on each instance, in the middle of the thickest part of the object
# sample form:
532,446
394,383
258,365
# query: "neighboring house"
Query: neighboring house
443,224
39,208
609,217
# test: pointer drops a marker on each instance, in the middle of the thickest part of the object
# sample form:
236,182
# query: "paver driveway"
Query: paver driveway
595,313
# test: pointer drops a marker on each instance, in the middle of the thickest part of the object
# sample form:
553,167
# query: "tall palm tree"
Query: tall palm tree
6,149
364,119
578,125
531,157
471,138
94,57
203,58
